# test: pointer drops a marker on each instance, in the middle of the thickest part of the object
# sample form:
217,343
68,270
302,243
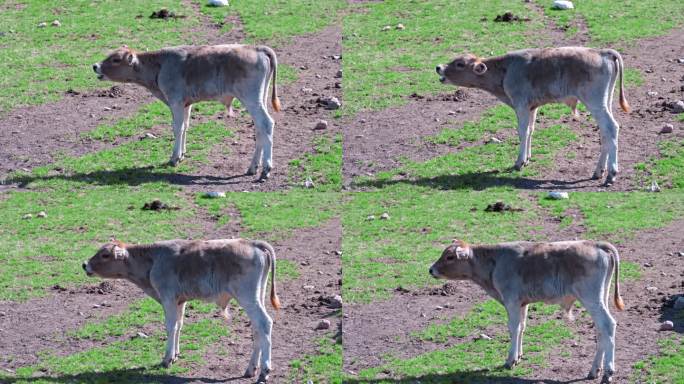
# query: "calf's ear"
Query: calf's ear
132,59
461,253
480,68
120,253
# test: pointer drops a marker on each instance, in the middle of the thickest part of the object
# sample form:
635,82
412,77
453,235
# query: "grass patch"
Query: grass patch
618,216
383,67
471,360
381,255
625,21
38,65
325,366
324,166
668,168
666,367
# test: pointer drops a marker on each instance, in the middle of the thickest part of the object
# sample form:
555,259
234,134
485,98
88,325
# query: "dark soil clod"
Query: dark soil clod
500,206
509,17
158,205
165,14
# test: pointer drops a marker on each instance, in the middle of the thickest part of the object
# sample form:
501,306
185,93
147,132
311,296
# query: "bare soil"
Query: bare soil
370,333
29,328
377,141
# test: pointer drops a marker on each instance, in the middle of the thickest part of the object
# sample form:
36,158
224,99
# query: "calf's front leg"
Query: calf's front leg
171,322
523,115
514,329
178,112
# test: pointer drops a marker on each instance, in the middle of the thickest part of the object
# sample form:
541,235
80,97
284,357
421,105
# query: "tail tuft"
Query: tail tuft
624,104
619,304
275,301
276,104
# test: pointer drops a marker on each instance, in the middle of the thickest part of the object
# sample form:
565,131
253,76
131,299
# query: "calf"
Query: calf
530,78
182,76
175,271
519,273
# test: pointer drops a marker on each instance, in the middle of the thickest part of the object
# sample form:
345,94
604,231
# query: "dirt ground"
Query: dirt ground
29,328
369,334
375,141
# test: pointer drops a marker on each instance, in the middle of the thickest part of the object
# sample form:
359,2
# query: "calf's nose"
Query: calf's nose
84,266
95,68
432,272
437,68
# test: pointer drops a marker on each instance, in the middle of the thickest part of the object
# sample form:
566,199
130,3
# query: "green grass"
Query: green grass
471,360
38,64
276,21
622,22
324,166
380,255
618,216
275,213
666,367
148,116
325,366
382,68
668,168
125,361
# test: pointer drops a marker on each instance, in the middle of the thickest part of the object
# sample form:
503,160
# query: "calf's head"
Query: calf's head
464,70
108,262
454,264
121,66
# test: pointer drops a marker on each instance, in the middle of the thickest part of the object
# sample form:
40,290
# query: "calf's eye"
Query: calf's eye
116,61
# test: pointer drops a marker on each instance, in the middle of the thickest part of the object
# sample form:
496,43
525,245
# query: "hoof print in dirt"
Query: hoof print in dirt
158,205
500,206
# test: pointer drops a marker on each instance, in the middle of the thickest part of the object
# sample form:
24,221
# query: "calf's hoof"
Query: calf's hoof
263,377
612,177
510,364
593,374
250,372
607,378
597,175
264,175
519,166
251,171
166,363
174,162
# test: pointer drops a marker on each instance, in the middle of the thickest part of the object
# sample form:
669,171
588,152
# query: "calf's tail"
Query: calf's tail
610,248
275,101
268,249
620,72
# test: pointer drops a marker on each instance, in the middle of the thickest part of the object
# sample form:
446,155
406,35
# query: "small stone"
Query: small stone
96,305
338,85
321,125
56,23
680,61
563,4
141,335
667,326
651,289
667,128
149,135
309,287
451,113
556,195
27,216
338,253
652,93
217,3
338,74
654,187
303,67
370,218
42,25
107,109
332,103
308,183
323,324
648,265
385,216
439,308
335,301
386,28
41,214
680,254
493,140
81,314
483,336
215,194
678,106
306,90
679,303
400,26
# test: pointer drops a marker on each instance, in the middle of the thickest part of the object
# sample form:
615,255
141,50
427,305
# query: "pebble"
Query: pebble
308,287
482,336
42,25
308,183
218,3
385,216
332,103
338,253
556,195
680,254
400,26
651,289
96,305
335,301
56,23
307,90
321,125
323,324
667,326
679,303
439,308
149,135
667,128
338,74
451,113
41,214
141,335
215,194
652,93
680,61
563,4
678,106
370,218
654,187
27,216
648,265
386,28
493,140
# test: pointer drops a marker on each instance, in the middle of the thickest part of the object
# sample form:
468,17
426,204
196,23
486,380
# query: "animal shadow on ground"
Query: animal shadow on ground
478,376
133,375
479,181
668,312
133,176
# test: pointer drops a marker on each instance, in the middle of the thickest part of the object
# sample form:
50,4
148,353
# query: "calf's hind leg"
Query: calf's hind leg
263,123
